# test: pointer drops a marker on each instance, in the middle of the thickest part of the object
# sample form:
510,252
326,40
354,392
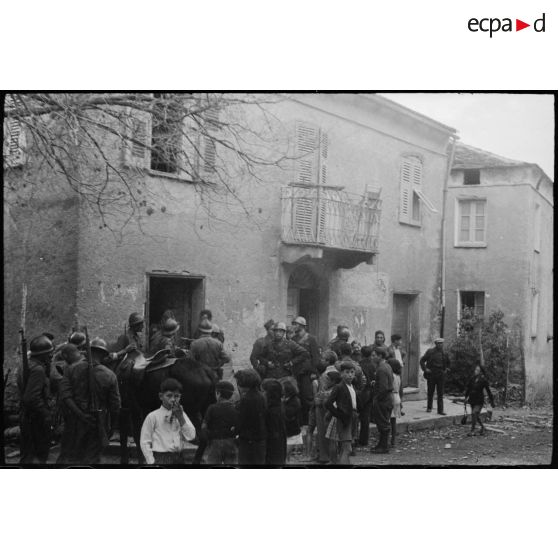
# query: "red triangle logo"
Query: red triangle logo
519,25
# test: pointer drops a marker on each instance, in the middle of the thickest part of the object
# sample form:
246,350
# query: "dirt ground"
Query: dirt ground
518,436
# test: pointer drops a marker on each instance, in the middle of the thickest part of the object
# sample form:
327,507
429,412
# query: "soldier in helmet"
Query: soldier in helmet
86,429
77,338
280,357
259,345
208,315
35,412
165,338
131,340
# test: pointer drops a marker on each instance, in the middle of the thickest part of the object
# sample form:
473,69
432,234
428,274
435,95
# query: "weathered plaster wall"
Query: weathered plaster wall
508,267
539,347
40,250
245,280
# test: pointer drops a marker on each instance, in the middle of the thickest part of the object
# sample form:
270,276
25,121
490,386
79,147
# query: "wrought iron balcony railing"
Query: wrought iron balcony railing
331,218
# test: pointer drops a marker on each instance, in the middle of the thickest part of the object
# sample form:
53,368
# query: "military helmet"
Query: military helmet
280,325
41,345
100,345
170,326
206,326
77,338
135,318
300,321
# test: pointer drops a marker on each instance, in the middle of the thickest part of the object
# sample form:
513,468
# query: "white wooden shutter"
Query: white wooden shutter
406,189
137,131
307,140
209,145
14,146
324,148
410,185
304,230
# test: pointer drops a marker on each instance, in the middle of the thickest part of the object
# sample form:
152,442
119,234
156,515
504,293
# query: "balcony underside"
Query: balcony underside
335,258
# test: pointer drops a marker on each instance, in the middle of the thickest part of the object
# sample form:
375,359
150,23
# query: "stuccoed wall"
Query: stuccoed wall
508,267
246,282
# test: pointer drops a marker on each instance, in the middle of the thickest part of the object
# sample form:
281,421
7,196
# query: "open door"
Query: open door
184,296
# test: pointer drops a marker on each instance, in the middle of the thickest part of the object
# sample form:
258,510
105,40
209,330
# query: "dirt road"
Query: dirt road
519,437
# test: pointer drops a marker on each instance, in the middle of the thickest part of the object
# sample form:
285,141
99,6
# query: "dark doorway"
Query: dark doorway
405,323
183,296
303,299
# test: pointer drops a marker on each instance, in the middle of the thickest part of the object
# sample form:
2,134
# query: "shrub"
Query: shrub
488,340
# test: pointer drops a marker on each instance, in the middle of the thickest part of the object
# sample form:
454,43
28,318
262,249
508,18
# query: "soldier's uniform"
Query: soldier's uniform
82,443
35,411
279,358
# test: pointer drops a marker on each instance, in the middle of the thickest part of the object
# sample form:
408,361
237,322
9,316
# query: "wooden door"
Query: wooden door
405,323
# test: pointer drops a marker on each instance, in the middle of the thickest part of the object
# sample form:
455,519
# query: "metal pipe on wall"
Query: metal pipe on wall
453,139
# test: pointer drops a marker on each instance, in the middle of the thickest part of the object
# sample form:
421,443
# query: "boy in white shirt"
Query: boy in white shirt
165,431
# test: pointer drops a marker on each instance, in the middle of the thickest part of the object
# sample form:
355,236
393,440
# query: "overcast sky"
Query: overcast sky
512,125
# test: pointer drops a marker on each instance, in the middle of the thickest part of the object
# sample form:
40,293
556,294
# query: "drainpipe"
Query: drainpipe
443,235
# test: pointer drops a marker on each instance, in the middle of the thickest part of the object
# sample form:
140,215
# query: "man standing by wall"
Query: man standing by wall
435,363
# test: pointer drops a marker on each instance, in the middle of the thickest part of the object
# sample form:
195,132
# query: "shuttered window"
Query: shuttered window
411,195
137,132
312,149
14,145
209,145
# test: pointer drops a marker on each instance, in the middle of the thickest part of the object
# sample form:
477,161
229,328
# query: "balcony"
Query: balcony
329,222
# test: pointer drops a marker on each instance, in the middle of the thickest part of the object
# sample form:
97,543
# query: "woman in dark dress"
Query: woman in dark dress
474,395
276,446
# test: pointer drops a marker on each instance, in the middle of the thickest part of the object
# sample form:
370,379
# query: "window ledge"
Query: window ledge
171,175
415,224
471,245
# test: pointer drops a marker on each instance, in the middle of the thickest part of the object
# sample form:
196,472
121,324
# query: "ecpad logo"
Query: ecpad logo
493,25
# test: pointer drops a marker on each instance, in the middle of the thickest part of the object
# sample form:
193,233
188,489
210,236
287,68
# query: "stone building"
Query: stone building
346,230
499,248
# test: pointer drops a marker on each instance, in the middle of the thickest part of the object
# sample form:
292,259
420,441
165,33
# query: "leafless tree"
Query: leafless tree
102,146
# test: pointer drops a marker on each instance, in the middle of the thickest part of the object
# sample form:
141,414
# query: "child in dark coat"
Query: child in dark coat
293,407
474,395
251,429
219,427
276,443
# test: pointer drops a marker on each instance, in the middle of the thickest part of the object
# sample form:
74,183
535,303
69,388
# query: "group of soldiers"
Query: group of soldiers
84,375
77,384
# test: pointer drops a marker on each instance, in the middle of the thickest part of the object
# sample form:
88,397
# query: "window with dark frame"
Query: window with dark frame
474,300
165,136
471,176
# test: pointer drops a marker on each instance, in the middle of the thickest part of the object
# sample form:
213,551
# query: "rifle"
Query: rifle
94,406
25,362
